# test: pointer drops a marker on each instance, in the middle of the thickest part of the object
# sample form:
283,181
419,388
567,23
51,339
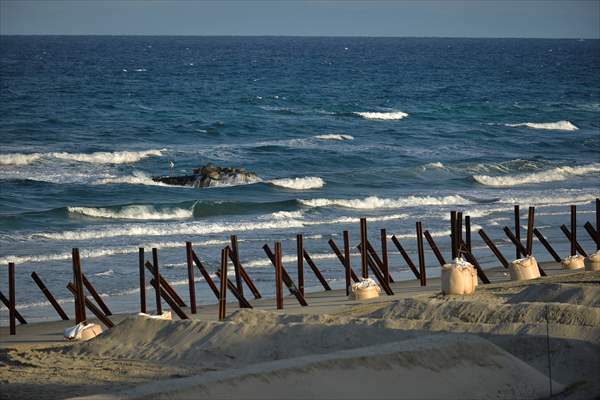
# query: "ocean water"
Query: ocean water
392,129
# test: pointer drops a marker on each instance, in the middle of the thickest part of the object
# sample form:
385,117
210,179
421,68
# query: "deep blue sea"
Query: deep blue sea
393,129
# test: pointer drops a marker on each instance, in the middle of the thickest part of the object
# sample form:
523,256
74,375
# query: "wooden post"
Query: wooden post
92,307
316,271
518,249
452,233
163,282
373,255
232,287
494,249
379,276
468,232
285,277
515,240
95,295
191,282
166,297
546,244
300,256
78,280
206,275
530,217
18,315
142,272
598,223
278,274
12,299
470,258
421,254
157,279
573,230
234,255
233,251
435,249
63,315
458,231
595,235
347,264
574,243
363,250
223,286
342,258
406,257
384,257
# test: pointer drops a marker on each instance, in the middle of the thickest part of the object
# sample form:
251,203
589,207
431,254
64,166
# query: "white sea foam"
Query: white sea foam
374,202
334,136
137,178
304,183
555,126
138,212
19,158
551,175
392,115
109,272
235,180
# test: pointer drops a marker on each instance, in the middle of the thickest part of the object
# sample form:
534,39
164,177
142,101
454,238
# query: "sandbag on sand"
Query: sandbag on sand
83,331
367,288
524,269
460,277
592,263
573,262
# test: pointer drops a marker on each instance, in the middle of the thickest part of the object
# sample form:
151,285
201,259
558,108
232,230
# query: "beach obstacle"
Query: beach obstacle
420,250
239,269
12,299
519,250
571,235
285,277
168,299
468,232
493,248
190,270
376,265
204,271
349,274
530,220
363,250
546,245
78,287
243,303
59,310
594,234
434,248
406,257
142,271
301,256
510,235
278,276
18,315
88,285
87,303
223,286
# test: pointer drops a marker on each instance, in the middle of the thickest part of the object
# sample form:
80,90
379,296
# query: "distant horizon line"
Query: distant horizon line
296,36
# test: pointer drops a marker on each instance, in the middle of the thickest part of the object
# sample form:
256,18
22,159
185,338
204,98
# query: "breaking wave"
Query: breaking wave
338,137
551,175
138,212
102,157
137,178
19,158
555,126
374,202
307,182
393,115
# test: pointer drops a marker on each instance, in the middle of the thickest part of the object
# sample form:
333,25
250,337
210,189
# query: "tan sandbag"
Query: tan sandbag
83,331
166,315
592,263
524,269
367,288
460,278
573,262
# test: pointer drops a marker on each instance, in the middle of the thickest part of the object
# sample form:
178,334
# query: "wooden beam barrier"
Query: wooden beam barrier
243,303
286,277
379,276
234,254
156,272
363,251
493,248
316,271
458,232
165,284
385,265
78,285
421,252
434,248
546,245
342,258
12,315
595,235
18,315
519,249
278,277
452,234
468,232
573,238
575,246
59,310
205,274
191,282
172,303
142,273
375,257
223,286
300,262
406,257
88,285
91,306
530,220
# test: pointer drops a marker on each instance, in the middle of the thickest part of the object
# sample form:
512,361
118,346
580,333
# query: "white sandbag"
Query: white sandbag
82,331
592,263
460,277
524,269
166,315
573,262
366,288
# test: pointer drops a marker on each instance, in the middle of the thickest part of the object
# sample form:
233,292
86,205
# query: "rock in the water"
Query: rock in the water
210,175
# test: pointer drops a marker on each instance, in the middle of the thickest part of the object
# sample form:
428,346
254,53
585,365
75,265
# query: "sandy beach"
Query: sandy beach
415,344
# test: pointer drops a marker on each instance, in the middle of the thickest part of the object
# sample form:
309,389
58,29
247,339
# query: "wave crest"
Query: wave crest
392,115
551,175
335,136
105,157
304,183
374,202
137,212
19,158
554,126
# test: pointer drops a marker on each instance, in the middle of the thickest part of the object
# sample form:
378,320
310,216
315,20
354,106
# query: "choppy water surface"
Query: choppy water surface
396,130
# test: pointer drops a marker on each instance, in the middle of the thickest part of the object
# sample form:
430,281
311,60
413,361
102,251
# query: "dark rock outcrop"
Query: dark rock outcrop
210,175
